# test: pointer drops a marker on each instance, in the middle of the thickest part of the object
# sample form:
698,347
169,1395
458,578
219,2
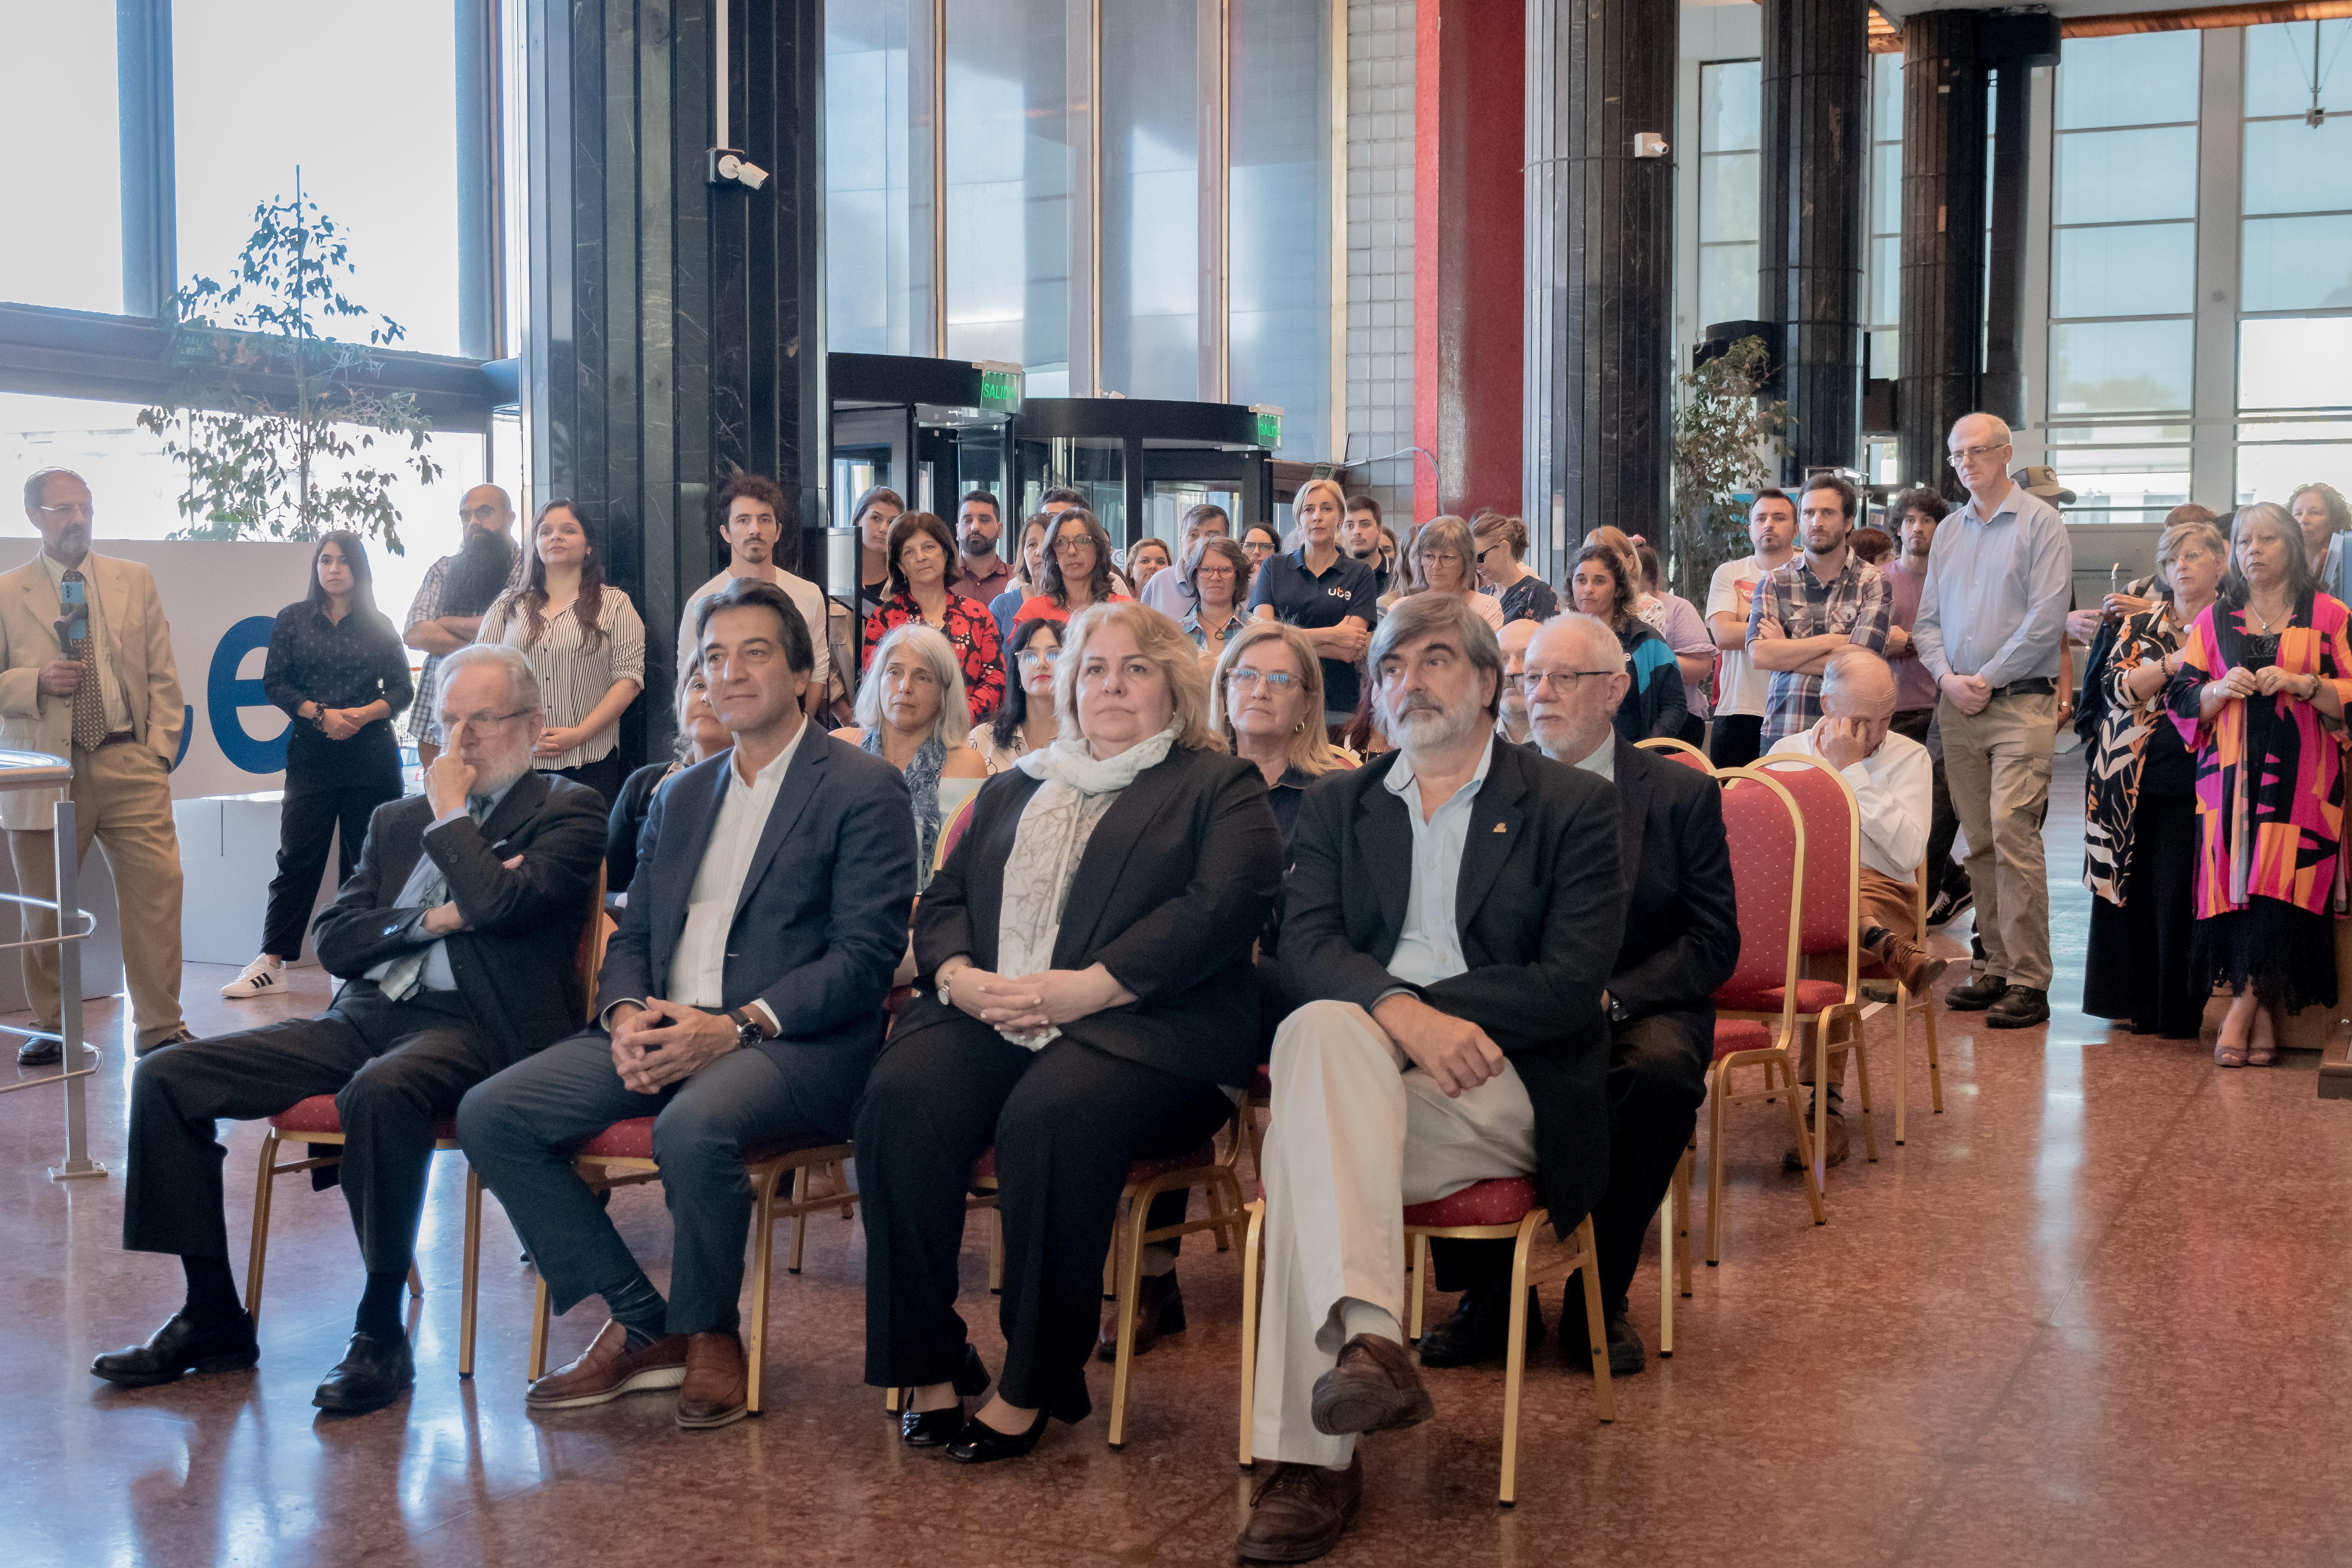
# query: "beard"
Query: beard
1515,709
501,769
1418,722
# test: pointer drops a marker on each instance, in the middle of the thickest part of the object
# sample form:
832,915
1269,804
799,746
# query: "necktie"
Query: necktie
406,976
89,703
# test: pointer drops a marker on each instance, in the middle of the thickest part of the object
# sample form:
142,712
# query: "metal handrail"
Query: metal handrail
39,769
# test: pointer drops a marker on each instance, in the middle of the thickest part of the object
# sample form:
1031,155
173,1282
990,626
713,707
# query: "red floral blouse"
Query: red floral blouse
972,631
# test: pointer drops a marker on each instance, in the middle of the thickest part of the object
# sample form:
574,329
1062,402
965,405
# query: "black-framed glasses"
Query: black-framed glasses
1534,679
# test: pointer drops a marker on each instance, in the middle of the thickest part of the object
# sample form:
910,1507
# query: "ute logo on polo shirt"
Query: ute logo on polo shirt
1338,593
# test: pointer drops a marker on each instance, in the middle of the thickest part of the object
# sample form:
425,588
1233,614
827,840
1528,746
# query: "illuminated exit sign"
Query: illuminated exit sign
1000,387
1269,426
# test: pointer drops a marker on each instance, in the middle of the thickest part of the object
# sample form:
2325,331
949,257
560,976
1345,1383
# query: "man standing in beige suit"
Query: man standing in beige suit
98,687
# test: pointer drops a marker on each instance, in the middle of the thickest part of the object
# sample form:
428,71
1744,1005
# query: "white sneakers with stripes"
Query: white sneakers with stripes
263,975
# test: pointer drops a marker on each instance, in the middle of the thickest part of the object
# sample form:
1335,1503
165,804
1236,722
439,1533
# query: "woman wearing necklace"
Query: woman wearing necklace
911,714
2259,680
1218,581
921,552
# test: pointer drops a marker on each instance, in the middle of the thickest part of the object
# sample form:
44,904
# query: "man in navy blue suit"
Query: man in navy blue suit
741,1003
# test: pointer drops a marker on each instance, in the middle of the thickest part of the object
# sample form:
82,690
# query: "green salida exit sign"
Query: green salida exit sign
1000,390
1269,429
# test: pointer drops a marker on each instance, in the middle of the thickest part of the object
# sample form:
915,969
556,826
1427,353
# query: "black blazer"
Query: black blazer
1540,909
1682,926
1174,886
821,919
517,966
627,822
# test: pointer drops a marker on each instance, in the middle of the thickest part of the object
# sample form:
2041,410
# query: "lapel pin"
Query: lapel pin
1500,828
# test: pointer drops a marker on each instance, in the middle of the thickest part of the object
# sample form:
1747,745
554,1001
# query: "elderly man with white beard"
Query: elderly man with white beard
1452,909
455,939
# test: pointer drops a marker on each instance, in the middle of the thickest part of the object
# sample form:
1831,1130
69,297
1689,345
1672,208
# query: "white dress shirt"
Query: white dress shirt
101,639
1895,786
1604,757
1429,949
698,970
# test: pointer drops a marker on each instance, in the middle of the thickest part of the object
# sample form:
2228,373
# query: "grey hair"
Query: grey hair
2001,425
1596,632
953,723
1851,667
1420,616
522,686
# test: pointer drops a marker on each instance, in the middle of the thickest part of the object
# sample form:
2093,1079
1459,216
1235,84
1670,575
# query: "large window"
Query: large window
1279,238
2294,294
877,176
1730,129
363,106
2123,273
58,178
1150,199
1881,309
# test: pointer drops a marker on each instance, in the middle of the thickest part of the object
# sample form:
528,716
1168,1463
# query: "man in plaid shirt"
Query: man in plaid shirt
1825,599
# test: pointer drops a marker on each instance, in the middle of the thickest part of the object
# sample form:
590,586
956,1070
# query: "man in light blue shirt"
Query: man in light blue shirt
1992,614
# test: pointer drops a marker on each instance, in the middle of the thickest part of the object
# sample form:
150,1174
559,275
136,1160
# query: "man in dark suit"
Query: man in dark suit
455,941
1682,938
741,1003
1452,907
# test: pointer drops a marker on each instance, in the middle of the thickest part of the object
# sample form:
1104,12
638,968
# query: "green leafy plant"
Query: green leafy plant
1727,436
275,422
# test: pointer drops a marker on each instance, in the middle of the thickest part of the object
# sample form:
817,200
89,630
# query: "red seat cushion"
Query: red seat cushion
634,1140
1506,1199
1813,997
1140,1170
1262,1084
1740,1035
318,1114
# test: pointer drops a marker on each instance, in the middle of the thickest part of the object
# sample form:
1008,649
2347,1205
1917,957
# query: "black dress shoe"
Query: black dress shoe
180,1347
2020,1007
931,1428
1159,1310
1480,1329
1626,1353
982,1444
1977,995
371,1375
39,1054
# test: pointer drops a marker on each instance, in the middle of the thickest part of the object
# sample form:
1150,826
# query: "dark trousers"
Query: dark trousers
1066,1123
520,1127
317,802
2136,964
1944,873
1657,1080
394,1069
605,776
1738,740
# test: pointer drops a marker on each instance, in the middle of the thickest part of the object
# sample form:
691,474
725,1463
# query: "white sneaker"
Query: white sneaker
262,976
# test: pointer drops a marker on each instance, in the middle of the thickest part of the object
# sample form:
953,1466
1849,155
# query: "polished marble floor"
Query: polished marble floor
2099,1312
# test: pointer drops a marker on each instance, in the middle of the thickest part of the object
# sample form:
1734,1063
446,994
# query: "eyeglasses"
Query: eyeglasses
1034,657
484,721
1257,547
1080,542
1276,681
482,514
69,509
1536,679
1969,454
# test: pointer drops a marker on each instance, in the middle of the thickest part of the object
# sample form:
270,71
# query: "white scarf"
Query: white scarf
1078,789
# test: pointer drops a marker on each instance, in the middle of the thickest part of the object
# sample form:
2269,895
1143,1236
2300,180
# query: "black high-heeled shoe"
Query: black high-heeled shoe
982,1444
932,1428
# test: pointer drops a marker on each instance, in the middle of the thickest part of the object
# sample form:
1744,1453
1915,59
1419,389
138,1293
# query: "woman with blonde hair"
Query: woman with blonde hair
1323,591
912,713
1445,561
1084,1000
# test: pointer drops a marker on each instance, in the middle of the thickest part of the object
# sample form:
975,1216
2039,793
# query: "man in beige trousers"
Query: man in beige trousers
105,694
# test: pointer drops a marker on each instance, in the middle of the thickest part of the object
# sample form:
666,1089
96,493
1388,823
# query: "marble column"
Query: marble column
1943,240
1600,270
1816,149
675,331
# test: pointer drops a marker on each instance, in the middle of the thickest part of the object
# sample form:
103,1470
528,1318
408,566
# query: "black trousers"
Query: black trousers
1739,739
319,800
1065,1121
2136,964
605,776
394,1069
1944,873
1657,1080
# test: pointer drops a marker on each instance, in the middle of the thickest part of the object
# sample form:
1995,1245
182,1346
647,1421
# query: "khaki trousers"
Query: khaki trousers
1997,766
1889,903
123,798
1357,1134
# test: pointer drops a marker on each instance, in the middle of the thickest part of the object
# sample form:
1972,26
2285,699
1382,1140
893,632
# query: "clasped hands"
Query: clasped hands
659,1042
1028,1002
2268,681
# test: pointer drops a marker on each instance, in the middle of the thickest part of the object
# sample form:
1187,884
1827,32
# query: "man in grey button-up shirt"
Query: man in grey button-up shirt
1991,617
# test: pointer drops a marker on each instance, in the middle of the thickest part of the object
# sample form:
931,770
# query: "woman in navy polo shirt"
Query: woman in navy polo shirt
1324,592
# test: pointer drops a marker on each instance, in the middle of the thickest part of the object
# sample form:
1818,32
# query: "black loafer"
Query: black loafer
982,1444
1480,1329
180,1347
371,1375
931,1428
1627,1356
39,1054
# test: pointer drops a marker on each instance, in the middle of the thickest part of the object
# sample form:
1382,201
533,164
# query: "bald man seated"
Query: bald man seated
1680,941
1893,781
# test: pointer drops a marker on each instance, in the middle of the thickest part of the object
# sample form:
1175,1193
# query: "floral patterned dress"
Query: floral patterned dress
968,625
2270,802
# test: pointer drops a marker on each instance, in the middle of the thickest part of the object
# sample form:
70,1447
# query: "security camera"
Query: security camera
728,166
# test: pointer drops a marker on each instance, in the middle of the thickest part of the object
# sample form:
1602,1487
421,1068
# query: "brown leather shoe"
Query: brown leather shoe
1374,1388
1159,1310
718,1389
1917,970
1836,1152
608,1369
1299,1512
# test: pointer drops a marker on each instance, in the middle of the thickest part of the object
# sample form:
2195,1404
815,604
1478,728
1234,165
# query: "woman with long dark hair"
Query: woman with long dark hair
1025,721
1076,569
337,667
922,552
1603,586
585,643
876,510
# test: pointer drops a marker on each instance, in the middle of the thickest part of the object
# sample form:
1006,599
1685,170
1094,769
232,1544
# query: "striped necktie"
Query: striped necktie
88,702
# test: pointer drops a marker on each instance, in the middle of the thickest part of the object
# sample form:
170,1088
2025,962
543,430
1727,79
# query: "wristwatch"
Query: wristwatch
748,1032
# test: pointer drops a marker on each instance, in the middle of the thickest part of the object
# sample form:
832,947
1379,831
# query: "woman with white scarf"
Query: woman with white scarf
1086,1000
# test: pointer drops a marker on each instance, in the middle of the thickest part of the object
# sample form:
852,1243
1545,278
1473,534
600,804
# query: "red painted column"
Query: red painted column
1469,219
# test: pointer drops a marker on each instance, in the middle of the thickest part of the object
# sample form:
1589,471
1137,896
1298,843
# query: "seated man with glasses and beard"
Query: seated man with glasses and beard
455,941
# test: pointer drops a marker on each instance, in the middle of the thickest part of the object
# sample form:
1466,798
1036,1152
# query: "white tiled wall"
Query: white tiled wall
1380,247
